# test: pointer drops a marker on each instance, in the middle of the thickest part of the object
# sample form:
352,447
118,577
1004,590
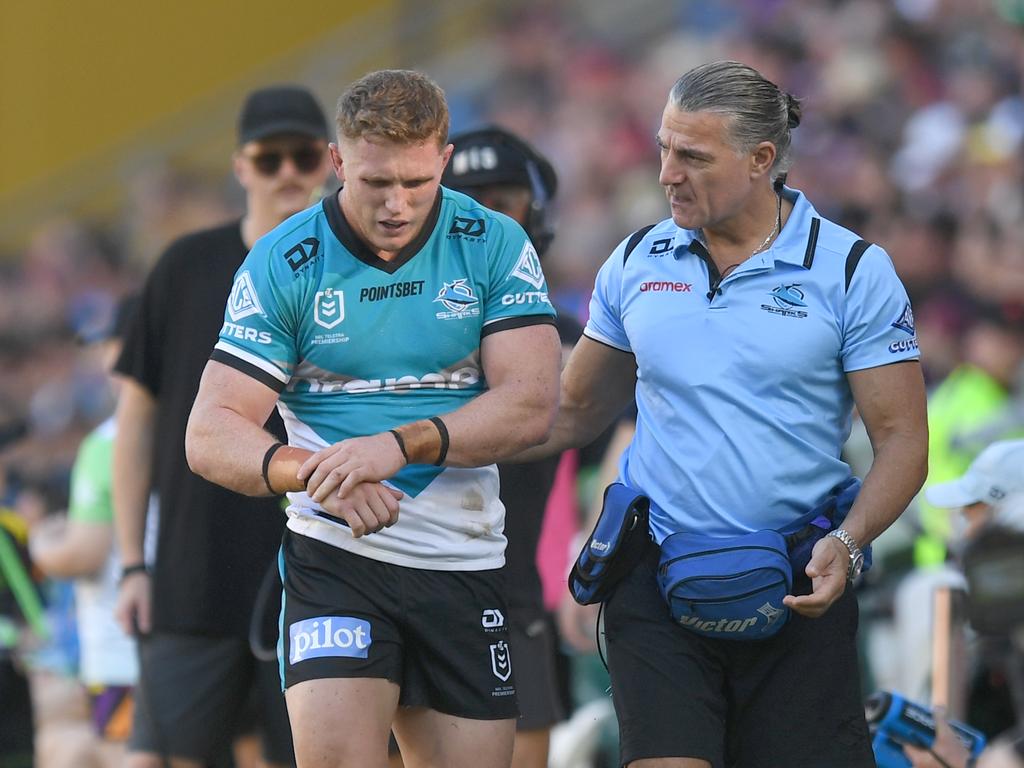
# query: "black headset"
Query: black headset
543,179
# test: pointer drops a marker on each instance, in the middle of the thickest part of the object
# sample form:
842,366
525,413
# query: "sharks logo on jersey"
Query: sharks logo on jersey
458,298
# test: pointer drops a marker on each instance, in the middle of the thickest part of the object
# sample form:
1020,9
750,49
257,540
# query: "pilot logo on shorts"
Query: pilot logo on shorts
328,636
501,661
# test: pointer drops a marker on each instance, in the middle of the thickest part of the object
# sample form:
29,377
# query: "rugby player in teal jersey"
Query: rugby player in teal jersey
405,334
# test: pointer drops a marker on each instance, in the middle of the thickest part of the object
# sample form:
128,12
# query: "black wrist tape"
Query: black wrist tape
266,465
442,430
401,444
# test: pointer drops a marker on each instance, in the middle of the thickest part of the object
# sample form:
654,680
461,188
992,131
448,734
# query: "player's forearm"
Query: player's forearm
896,475
499,424
132,469
493,426
226,448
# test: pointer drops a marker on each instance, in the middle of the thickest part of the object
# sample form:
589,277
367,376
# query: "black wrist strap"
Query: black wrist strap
266,465
442,430
401,444
128,570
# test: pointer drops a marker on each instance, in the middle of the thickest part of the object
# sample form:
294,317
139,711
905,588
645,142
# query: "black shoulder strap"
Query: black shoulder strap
853,259
634,241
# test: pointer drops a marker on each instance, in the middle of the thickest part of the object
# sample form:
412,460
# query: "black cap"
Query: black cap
494,156
281,110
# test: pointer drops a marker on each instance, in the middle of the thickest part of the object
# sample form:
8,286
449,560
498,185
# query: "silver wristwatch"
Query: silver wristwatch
856,555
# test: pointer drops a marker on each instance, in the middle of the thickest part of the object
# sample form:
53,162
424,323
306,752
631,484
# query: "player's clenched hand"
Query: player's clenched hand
366,508
345,465
830,561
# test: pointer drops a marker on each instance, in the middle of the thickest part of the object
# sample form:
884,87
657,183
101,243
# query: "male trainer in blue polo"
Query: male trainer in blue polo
748,326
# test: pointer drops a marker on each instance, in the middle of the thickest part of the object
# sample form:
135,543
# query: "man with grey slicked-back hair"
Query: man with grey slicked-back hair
759,111
747,326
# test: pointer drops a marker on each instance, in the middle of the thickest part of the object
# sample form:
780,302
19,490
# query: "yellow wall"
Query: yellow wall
78,77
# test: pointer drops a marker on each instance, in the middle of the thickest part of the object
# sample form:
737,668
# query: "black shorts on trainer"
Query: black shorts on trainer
792,700
442,636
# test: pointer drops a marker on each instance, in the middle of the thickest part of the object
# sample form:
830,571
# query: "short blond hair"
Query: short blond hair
400,105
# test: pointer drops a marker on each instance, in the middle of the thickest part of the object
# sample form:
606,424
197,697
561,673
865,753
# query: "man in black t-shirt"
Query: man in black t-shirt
508,175
193,606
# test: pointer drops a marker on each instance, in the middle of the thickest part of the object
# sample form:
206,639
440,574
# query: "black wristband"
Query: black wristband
401,444
128,570
442,430
266,465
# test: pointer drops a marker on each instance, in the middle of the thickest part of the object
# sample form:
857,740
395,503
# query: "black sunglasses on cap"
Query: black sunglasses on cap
305,160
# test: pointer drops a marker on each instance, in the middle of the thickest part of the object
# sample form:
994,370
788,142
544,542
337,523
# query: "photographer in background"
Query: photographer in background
991,496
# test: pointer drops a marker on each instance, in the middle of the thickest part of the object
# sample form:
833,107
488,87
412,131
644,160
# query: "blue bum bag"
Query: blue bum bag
615,546
733,587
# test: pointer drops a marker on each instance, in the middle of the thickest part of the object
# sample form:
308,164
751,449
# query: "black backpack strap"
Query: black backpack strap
634,241
853,259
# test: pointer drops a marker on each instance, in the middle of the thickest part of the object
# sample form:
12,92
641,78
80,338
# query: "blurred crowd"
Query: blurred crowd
913,136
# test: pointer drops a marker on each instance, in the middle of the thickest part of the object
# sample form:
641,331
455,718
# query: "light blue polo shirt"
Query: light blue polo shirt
743,402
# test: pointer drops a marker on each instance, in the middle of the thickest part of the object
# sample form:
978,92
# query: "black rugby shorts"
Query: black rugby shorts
442,636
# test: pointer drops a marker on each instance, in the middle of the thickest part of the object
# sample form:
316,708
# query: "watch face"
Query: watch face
856,564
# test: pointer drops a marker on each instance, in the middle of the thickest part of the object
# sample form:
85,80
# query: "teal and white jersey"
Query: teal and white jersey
356,345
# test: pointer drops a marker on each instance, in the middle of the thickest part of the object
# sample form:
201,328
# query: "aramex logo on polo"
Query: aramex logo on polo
328,636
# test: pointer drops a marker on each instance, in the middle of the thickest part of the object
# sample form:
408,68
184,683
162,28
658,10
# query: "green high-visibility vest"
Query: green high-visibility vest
966,401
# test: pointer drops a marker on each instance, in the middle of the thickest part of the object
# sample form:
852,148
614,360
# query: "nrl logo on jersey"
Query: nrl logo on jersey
243,300
329,308
528,267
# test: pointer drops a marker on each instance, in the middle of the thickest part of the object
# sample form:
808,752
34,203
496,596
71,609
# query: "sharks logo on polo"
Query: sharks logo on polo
328,636
243,300
329,308
788,301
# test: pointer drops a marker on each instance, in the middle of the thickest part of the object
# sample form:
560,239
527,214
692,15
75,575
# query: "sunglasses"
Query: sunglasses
305,160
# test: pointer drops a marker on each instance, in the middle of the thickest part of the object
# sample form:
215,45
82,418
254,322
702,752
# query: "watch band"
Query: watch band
856,555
